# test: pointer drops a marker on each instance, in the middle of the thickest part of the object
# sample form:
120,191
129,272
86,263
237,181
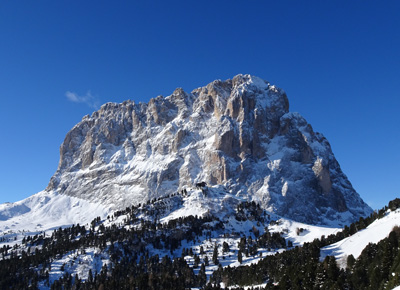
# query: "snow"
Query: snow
354,244
308,233
46,211
78,262
260,83
192,206
214,200
222,285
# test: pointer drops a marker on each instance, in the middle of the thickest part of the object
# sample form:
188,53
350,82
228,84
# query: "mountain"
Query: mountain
219,188
237,133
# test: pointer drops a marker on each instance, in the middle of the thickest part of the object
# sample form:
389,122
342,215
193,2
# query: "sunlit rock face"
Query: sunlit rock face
238,133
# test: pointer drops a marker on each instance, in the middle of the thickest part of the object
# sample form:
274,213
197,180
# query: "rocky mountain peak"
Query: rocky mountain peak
237,133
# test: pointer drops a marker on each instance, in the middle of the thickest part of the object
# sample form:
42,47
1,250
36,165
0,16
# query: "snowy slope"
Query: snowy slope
300,233
46,211
354,244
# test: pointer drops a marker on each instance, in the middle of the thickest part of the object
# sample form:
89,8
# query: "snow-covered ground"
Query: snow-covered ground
44,212
77,262
300,233
354,244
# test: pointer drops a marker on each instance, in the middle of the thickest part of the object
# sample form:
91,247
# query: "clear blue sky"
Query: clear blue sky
338,61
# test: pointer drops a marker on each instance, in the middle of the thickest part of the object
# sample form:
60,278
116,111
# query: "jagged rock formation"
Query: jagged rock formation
238,133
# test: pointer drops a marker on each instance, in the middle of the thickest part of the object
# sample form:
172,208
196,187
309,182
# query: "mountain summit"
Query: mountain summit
237,134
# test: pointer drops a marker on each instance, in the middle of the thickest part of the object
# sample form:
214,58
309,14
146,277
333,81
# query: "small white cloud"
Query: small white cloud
87,99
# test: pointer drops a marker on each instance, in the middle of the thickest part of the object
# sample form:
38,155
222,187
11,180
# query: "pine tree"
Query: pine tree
350,261
225,247
196,261
202,277
215,255
90,278
206,261
240,257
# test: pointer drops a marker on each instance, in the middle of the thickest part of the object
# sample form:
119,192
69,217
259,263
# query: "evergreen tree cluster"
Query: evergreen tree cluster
251,211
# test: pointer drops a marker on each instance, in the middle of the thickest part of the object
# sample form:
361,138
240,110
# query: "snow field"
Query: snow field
354,244
43,213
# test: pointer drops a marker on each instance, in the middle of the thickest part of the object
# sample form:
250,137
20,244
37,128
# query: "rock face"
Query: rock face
237,132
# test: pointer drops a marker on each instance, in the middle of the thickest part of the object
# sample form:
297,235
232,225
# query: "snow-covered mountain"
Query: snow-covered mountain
237,134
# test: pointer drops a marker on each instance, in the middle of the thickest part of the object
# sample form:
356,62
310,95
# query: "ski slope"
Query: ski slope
356,243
